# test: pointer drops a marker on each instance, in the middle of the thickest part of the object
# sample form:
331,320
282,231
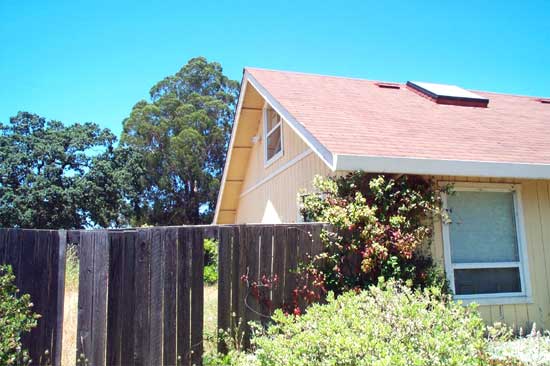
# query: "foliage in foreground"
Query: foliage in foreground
379,223
391,326
532,349
16,318
388,325
210,261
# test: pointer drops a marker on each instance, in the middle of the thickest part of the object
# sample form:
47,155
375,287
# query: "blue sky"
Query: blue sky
93,60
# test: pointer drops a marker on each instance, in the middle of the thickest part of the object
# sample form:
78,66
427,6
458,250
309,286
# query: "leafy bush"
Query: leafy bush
16,318
394,325
532,349
379,224
210,261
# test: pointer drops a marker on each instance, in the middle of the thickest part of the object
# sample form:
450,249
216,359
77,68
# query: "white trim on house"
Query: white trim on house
523,297
266,134
381,164
278,171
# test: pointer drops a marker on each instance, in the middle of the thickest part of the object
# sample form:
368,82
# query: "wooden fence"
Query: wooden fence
141,297
270,252
141,290
38,261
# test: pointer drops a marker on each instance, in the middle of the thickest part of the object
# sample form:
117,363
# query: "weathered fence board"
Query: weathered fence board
184,296
38,261
92,297
197,296
128,298
170,296
114,317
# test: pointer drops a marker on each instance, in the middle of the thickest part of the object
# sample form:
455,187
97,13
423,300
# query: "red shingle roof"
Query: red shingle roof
356,117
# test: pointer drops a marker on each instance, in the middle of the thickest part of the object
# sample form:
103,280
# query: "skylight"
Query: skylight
448,94
388,85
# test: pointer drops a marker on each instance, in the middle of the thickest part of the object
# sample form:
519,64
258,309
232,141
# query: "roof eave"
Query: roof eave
230,147
424,166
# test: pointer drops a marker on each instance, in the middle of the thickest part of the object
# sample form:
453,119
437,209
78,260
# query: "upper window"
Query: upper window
273,135
483,242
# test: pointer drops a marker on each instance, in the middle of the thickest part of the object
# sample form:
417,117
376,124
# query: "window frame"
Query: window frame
523,265
266,134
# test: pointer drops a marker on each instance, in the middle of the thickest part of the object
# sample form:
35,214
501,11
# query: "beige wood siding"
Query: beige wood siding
269,194
536,211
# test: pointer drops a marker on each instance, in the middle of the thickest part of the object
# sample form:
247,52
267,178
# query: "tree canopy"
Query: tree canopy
182,135
58,176
165,171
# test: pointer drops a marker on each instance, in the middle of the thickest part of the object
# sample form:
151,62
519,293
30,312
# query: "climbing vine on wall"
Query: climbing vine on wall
381,227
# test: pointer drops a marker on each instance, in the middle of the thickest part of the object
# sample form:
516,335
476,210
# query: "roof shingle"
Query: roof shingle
356,117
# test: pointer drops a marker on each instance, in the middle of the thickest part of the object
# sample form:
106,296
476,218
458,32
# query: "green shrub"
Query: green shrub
210,274
532,349
16,318
388,326
379,226
210,261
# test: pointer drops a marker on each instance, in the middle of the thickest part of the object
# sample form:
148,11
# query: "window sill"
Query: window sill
506,300
273,159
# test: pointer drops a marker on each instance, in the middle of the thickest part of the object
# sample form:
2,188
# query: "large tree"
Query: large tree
182,134
57,176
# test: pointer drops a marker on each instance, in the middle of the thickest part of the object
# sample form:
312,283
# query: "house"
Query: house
495,148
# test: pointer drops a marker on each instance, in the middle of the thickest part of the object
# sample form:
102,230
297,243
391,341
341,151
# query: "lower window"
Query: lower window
483,242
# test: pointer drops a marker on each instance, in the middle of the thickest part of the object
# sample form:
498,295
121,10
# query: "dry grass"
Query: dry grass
69,328
210,316
70,311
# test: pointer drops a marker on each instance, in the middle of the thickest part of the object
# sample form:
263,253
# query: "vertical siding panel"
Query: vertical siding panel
534,250
485,312
281,191
497,313
509,315
437,243
522,316
543,194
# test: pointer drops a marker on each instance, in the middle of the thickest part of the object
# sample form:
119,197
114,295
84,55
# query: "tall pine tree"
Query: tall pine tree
182,134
